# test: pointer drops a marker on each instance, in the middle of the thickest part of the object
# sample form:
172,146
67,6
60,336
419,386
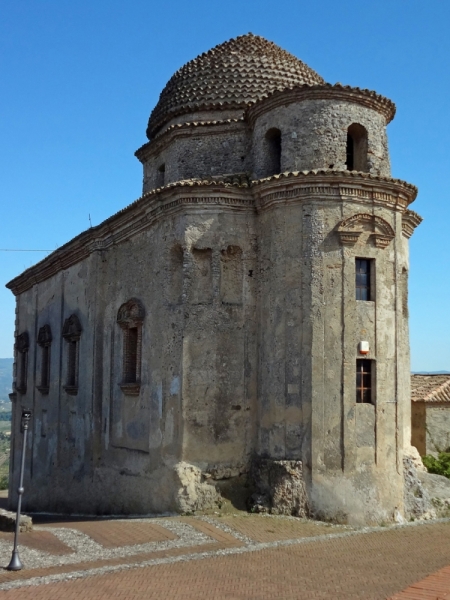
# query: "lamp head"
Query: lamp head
26,417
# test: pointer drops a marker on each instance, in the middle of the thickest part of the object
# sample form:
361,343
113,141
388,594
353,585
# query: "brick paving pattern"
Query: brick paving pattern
233,557
44,541
262,528
113,534
434,587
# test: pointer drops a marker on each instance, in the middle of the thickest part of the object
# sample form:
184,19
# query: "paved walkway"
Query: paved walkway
239,556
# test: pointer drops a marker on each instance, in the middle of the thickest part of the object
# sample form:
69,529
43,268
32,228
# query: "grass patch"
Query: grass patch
439,465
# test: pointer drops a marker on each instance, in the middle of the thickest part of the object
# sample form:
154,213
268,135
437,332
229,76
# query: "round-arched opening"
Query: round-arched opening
273,144
356,148
161,175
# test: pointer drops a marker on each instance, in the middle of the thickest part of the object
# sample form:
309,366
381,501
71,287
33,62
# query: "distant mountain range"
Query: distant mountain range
5,378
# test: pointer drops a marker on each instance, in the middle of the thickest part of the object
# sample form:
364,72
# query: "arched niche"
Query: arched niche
130,317
356,157
273,150
72,333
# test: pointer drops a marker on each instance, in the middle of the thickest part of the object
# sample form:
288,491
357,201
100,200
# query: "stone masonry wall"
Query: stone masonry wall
314,136
196,155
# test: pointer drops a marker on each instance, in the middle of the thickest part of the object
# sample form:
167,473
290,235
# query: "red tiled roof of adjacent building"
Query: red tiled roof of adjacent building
430,388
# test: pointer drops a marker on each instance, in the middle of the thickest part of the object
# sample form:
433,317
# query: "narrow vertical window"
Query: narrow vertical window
364,381
130,318
273,139
72,333
130,375
362,279
44,341
357,145
22,346
161,176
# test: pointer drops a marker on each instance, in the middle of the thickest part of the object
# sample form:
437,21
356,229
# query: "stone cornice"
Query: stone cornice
410,220
133,219
194,128
326,91
234,193
328,184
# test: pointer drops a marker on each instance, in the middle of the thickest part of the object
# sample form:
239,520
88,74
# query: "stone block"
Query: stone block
8,521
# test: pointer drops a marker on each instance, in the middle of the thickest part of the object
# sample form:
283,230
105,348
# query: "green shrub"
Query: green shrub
439,465
4,482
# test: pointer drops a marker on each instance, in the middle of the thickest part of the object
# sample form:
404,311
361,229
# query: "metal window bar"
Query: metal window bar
363,381
362,279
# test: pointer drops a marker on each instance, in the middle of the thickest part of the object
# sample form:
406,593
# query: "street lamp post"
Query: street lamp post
15,563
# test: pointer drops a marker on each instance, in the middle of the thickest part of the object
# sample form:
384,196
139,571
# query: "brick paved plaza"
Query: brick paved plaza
234,556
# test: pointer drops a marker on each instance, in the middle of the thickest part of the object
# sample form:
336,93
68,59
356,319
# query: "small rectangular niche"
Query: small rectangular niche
231,275
201,280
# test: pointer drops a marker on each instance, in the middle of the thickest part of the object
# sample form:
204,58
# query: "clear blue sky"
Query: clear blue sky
79,80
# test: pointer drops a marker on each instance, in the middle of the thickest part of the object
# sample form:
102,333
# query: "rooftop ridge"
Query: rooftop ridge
421,391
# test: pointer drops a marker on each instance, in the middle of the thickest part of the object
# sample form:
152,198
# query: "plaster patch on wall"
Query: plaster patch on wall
175,385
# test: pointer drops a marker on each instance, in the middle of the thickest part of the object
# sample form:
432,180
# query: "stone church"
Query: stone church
239,331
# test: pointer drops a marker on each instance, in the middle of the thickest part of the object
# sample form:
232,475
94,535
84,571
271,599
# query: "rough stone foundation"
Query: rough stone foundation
194,493
8,521
427,495
280,488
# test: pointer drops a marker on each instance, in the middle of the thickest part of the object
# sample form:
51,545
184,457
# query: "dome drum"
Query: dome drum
315,134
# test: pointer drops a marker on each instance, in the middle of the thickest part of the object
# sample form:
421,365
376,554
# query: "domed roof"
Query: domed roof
230,75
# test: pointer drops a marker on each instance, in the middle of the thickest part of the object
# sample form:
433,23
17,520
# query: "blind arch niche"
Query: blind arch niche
130,317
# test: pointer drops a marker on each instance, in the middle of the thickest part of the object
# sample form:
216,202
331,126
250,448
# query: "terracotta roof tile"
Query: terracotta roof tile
232,75
430,388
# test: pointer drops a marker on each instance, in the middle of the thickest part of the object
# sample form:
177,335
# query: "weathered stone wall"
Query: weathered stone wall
219,343
280,488
314,136
198,152
418,427
437,427
310,328
249,334
120,453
